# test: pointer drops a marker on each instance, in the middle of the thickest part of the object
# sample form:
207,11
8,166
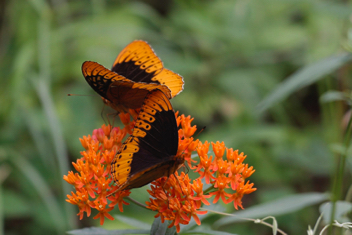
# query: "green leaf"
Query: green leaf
100,231
277,207
59,144
331,96
208,231
162,228
302,78
133,222
214,207
342,208
41,187
19,204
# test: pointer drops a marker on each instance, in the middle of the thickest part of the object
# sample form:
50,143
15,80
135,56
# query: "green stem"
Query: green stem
4,173
339,171
208,189
137,202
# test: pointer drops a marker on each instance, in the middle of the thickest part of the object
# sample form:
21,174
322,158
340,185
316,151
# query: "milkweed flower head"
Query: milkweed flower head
176,198
92,180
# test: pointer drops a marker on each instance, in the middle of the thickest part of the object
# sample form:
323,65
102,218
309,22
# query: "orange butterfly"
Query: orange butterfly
150,152
136,71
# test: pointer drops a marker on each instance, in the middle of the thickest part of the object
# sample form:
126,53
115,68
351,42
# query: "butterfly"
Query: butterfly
150,152
136,71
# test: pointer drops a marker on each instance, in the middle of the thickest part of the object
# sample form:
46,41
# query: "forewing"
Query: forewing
100,78
138,62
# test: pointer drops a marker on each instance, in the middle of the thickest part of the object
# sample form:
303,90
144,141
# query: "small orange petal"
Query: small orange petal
219,149
106,129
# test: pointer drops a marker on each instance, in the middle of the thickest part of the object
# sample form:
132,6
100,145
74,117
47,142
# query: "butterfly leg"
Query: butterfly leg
166,195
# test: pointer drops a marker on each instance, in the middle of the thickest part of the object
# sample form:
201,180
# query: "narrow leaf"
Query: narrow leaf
342,208
159,228
302,78
133,222
41,187
277,207
331,96
100,231
208,231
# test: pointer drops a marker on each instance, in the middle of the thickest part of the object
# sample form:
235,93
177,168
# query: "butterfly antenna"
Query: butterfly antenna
201,130
77,95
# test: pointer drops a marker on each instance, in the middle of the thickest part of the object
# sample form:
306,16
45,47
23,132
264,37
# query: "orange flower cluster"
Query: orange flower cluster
176,198
224,174
93,182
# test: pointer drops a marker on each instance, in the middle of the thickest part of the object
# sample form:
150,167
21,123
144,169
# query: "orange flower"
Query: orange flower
191,209
85,141
241,190
219,149
197,187
72,179
207,165
117,198
187,129
93,183
176,198
80,199
220,185
103,212
125,119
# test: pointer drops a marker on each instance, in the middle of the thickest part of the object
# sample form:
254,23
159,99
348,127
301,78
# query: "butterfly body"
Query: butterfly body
136,71
150,152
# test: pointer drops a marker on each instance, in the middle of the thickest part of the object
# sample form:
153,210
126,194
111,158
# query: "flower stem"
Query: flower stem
137,202
208,189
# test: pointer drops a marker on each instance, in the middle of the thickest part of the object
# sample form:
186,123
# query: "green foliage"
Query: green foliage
254,74
100,231
276,207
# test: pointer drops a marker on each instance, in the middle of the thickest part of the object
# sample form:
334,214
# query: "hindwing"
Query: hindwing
150,152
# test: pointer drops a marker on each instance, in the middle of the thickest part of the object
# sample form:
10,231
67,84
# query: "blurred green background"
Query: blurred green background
270,78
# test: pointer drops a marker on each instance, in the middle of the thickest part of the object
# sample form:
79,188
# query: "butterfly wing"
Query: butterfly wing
100,78
132,95
149,153
122,93
138,62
